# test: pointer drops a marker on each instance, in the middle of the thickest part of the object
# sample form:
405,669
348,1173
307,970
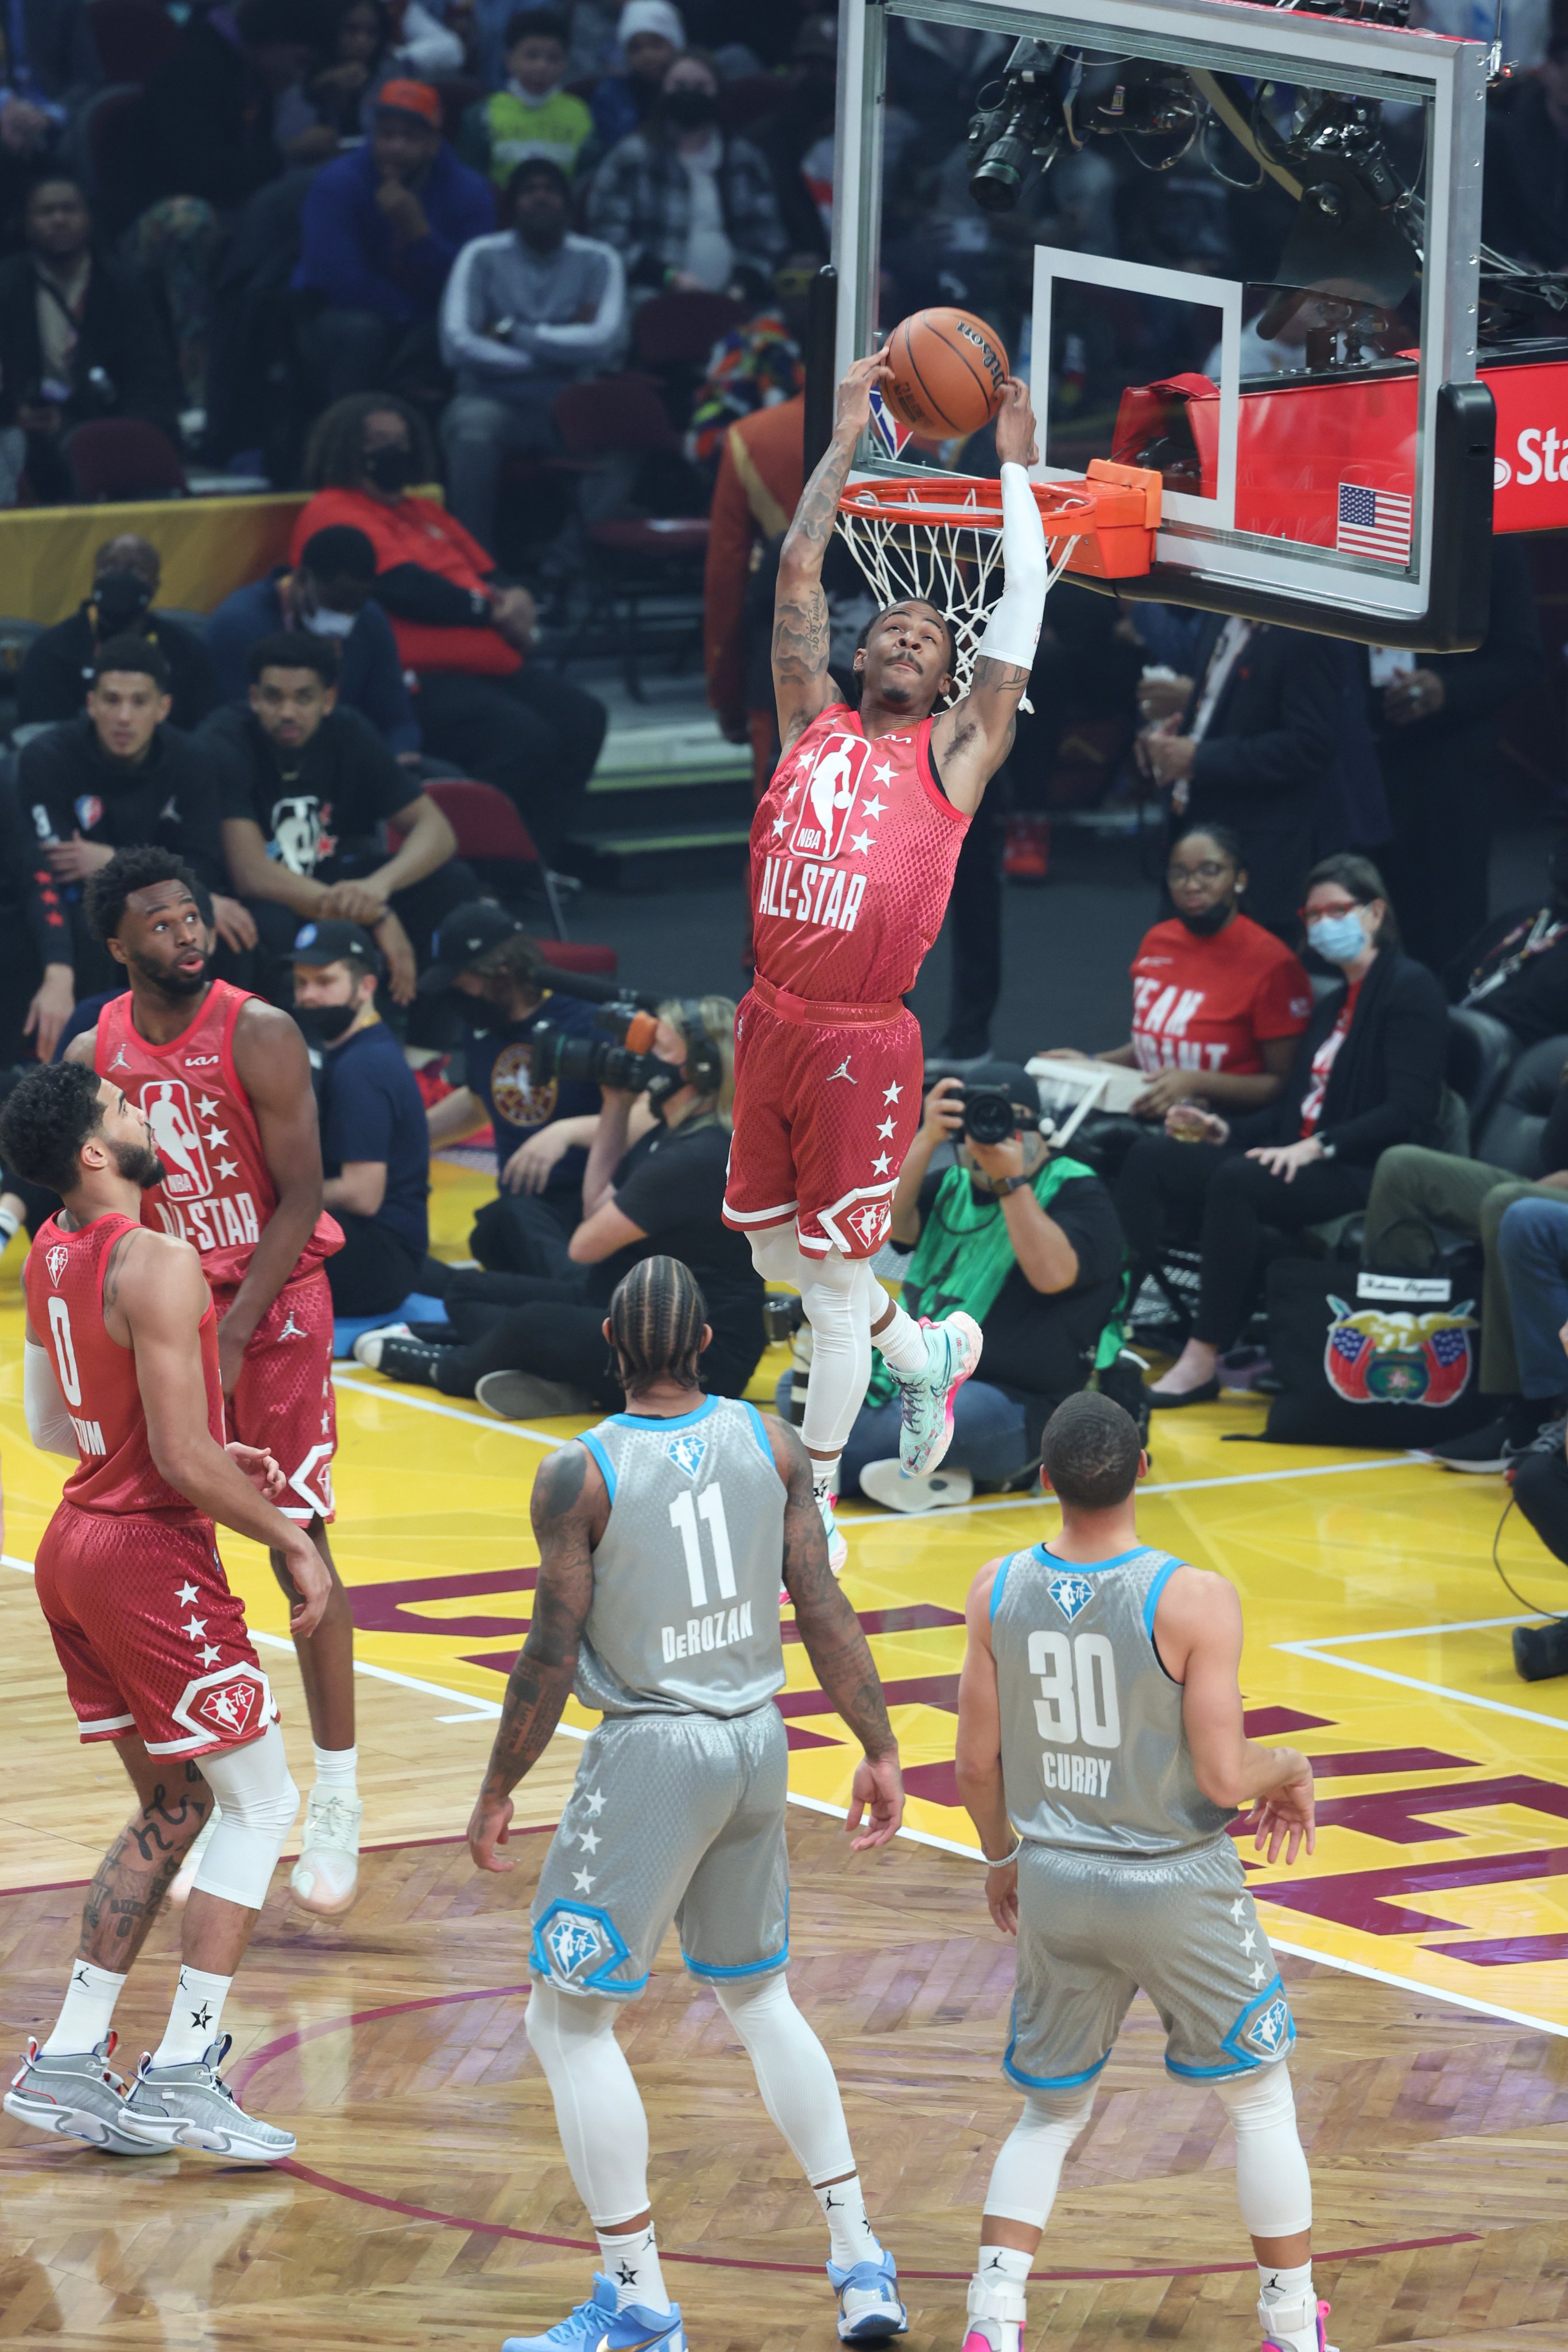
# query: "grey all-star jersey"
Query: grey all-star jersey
1094,1755
684,1615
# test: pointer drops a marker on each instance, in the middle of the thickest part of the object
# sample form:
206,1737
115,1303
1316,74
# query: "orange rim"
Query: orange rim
966,503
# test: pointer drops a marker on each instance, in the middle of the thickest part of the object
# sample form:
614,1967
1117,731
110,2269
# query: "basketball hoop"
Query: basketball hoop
937,538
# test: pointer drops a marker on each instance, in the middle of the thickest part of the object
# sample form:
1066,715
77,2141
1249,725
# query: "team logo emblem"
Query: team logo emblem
575,1945
1271,2030
686,1452
1373,1358
828,802
176,1139
573,1940
56,1261
1072,1594
89,811
516,1099
870,1222
231,1703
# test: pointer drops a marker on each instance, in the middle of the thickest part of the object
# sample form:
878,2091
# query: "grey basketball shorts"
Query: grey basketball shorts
671,1817
1180,1927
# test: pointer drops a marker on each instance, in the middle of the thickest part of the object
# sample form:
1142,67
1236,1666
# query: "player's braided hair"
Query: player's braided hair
136,868
1089,1452
49,1116
656,1318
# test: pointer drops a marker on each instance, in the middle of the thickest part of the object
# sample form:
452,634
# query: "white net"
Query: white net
955,564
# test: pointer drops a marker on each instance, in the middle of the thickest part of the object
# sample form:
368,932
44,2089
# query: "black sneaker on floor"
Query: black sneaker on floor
1540,1652
1491,1448
410,1359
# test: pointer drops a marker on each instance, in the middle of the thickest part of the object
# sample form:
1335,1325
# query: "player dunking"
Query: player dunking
120,1372
1102,1757
662,1535
224,1081
853,851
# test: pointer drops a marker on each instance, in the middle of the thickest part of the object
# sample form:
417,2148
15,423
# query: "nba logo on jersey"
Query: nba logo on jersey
870,1222
230,1704
1071,1594
1272,2030
829,800
177,1140
56,1261
575,1945
686,1452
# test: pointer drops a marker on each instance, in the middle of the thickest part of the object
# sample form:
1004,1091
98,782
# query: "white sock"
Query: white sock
1004,2261
335,1768
825,1476
852,2238
88,2009
195,2020
1289,2292
631,2265
901,1344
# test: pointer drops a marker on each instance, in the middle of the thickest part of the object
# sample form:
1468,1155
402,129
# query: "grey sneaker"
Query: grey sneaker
529,1396
189,2107
78,2095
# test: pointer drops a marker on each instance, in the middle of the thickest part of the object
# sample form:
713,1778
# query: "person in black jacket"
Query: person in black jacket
59,667
1253,750
80,337
1516,969
1368,1072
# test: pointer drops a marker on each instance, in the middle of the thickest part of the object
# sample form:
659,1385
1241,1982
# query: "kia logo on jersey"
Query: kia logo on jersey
828,802
177,1140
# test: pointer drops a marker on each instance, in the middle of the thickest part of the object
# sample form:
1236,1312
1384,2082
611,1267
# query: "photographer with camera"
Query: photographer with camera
1025,1241
654,1186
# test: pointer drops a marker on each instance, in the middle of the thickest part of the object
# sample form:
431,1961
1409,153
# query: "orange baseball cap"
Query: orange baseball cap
412,98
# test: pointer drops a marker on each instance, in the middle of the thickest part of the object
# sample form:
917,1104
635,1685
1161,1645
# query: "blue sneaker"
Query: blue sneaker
925,1420
598,2327
869,2308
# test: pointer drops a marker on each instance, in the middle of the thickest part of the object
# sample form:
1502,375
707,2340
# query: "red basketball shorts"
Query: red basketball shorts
283,1399
150,1637
823,1117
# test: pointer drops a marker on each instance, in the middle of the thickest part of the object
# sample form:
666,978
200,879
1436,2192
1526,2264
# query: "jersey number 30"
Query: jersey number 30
1077,1689
684,1516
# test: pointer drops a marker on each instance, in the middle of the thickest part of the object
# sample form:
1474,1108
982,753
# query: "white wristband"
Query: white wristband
1012,633
1002,1860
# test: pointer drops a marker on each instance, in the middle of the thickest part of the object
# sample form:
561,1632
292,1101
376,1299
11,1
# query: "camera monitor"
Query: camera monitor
1235,245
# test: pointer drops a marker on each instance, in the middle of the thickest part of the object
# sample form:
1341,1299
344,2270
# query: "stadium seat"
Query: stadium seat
103,142
123,457
639,557
1511,1136
683,328
491,835
133,37
1481,1051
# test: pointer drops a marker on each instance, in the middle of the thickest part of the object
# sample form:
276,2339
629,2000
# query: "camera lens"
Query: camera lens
989,1115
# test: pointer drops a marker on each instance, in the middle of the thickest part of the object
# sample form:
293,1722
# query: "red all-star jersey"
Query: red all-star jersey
853,851
218,1192
64,1282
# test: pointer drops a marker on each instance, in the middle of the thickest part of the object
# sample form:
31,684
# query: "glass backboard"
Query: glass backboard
1238,244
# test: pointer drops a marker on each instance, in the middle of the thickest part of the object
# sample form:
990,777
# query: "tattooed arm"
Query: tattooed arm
835,1644
801,680
571,1510
970,742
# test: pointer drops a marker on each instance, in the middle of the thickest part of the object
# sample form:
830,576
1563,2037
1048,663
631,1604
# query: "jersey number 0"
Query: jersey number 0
684,1516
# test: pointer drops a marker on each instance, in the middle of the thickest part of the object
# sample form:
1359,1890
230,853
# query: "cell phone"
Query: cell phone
1388,663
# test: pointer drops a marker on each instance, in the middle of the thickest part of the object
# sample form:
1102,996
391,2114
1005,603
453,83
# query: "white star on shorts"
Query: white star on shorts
186,1594
889,1127
880,1164
588,1842
594,1800
210,1656
1260,1974
197,1629
893,1094
1238,1910
1249,1940
582,1881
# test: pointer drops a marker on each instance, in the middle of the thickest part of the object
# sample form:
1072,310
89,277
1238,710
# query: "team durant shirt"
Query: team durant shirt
853,851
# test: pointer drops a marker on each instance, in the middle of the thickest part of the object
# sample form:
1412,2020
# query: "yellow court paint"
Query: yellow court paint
1376,1639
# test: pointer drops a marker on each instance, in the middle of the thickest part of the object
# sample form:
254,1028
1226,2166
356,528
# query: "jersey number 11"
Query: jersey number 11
684,1516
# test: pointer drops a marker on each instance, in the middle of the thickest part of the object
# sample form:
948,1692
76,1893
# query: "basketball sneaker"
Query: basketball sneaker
869,2308
189,2107
1296,2326
326,1878
998,2310
925,1429
77,2095
598,2327
838,1550
367,1348
185,1878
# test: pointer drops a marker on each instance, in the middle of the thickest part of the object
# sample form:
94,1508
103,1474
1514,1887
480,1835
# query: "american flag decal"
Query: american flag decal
1374,522
886,431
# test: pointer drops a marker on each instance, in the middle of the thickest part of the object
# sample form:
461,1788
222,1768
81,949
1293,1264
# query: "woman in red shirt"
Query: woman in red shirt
464,632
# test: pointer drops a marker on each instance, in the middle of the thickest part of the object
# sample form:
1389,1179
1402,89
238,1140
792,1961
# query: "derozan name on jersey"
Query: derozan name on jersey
824,895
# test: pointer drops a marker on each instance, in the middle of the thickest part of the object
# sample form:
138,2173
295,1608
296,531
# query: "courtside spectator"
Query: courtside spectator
80,337
307,788
689,208
344,91
463,630
797,138
526,314
117,777
1517,968
51,66
375,1158
383,227
331,593
58,665
761,474
534,114
651,34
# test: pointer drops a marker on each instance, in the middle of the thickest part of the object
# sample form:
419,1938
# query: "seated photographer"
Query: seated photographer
542,1126
653,1187
1367,1072
1025,1242
1217,1001
375,1159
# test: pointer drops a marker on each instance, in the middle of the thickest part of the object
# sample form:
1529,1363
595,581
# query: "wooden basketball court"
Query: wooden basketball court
1425,1949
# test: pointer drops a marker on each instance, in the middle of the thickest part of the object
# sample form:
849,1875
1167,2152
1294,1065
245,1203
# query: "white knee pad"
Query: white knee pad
1028,2168
776,1258
837,1296
794,2072
1273,2186
603,2130
258,1801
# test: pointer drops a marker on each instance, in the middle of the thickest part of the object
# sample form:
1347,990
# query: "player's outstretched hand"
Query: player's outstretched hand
1015,426
877,1791
1002,1894
307,1572
1287,1819
259,1467
865,377
487,1826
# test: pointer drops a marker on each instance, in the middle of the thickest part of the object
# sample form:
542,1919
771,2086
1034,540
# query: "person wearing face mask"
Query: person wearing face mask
58,667
330,592
1367,1072
649,35
375,1154
689,208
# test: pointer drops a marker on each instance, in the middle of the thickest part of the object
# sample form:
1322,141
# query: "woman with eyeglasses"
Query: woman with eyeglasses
1368,1071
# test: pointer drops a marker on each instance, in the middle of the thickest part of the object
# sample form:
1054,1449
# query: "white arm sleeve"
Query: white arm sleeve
1012,633
48,1423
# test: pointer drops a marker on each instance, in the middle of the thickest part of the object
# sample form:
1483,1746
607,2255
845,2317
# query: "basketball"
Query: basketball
948,370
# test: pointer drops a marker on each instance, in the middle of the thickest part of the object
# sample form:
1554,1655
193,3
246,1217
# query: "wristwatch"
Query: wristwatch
1326,1150
1011,1184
